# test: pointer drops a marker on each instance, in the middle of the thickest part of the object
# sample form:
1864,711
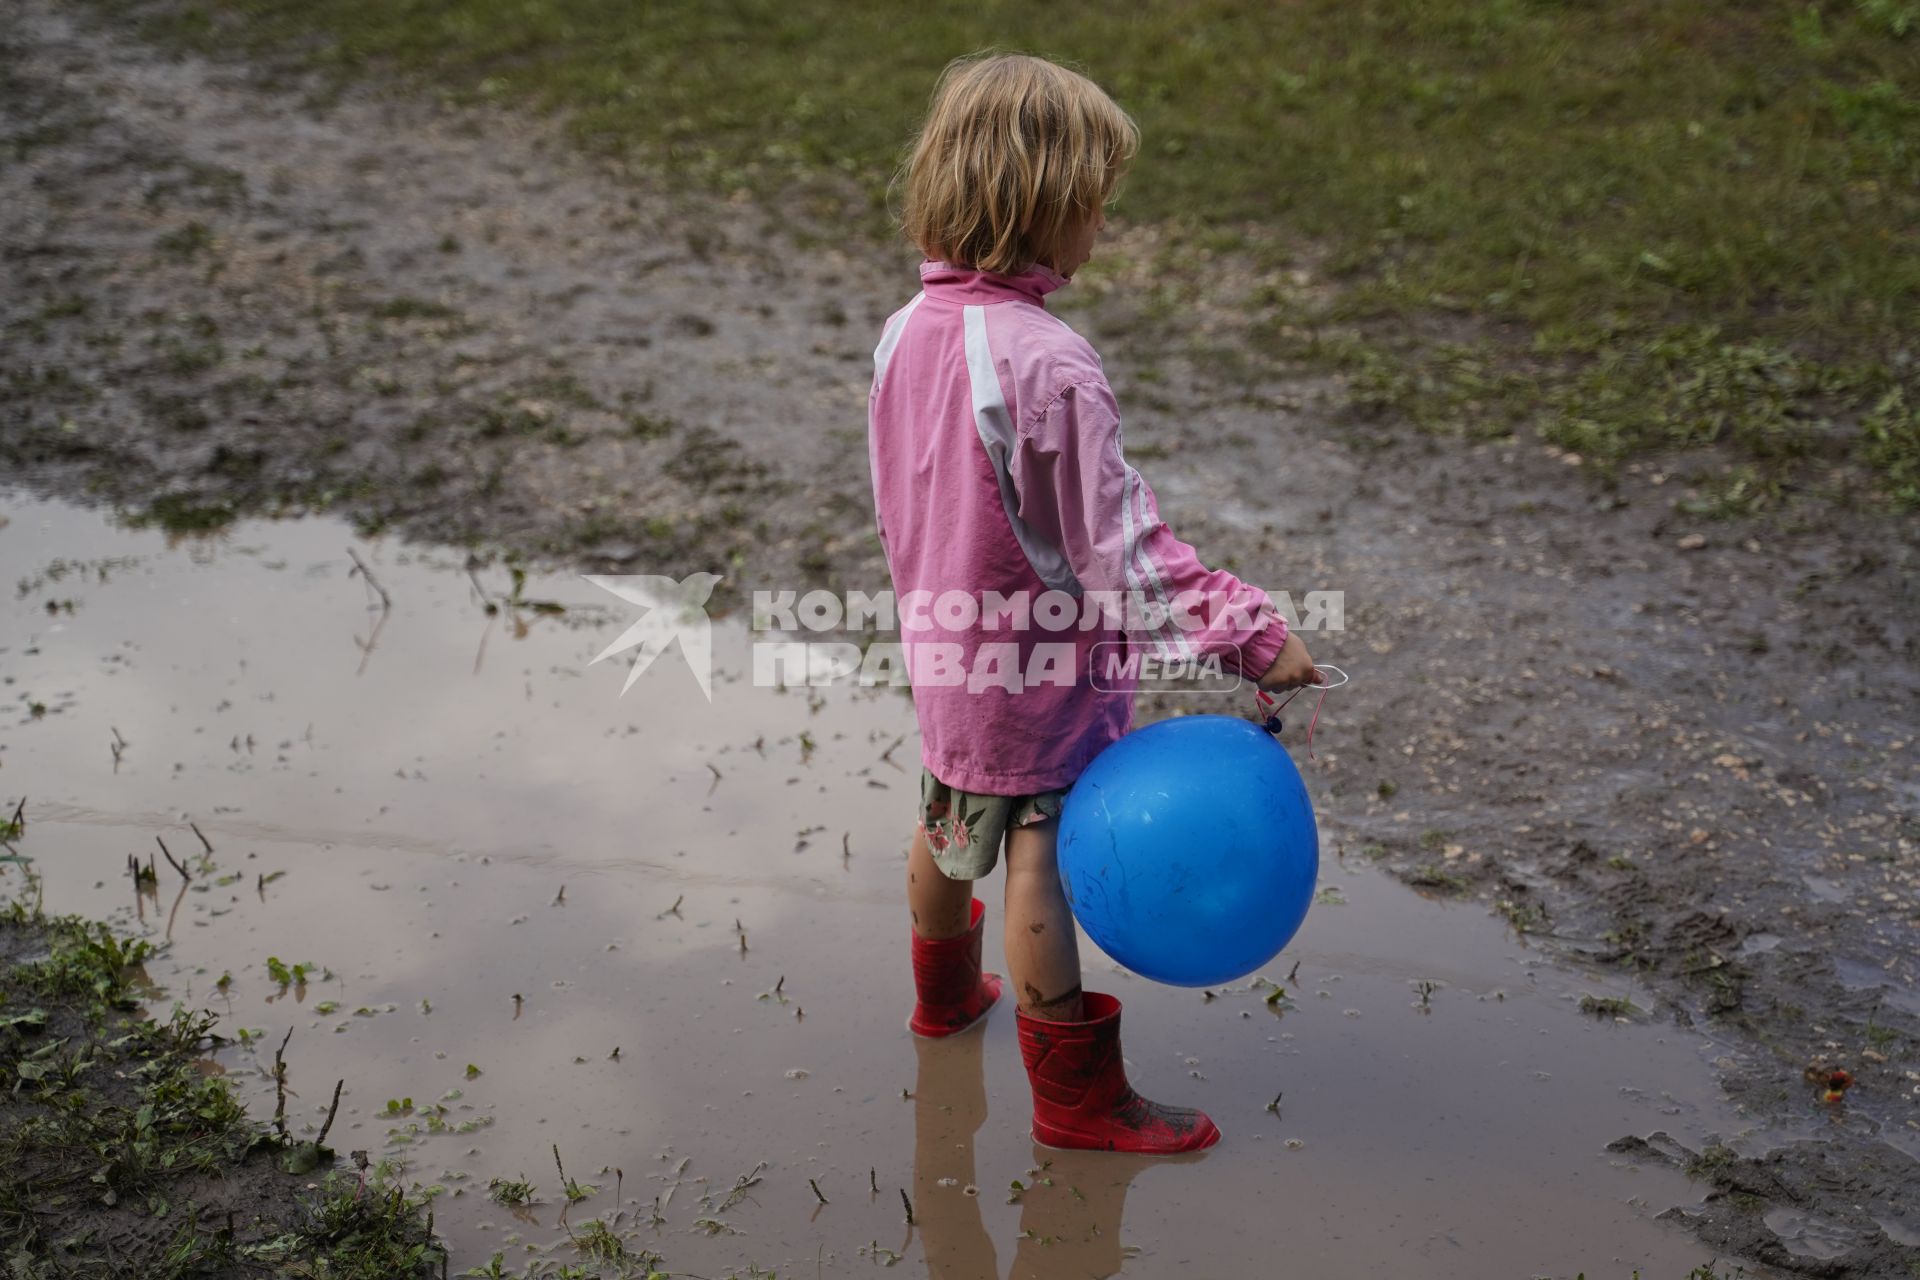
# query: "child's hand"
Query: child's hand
1293,668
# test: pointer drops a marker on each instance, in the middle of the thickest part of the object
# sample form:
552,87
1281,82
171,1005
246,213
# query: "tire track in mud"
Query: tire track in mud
1677,746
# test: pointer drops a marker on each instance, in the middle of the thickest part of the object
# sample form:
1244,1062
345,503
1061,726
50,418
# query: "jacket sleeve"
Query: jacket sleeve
1076,489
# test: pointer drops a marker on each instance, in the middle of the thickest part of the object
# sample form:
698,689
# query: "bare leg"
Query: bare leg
941,908
1041,953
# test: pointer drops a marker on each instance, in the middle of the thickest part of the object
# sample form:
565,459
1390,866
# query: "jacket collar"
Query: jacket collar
971,286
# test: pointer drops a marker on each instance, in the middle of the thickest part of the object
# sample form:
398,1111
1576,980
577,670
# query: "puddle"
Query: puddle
669,937
1809,1235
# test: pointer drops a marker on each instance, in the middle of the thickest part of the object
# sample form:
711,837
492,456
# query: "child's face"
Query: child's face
1077,247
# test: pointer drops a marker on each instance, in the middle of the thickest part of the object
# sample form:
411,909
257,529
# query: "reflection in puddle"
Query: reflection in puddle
668,937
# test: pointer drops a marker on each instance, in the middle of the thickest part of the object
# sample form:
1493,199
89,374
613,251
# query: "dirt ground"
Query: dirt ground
1655,742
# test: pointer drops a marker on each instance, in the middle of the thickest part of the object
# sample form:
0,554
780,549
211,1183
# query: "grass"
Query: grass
119,1156
1644,227
181,514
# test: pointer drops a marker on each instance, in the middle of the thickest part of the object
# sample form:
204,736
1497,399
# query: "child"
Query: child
994,442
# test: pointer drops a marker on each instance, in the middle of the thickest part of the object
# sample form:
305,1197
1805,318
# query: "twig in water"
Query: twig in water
473,563
386,601
673,910
170,862
560,898
816,1191
908,1203
1274,1106
280,1086
873,1181
740,1185
886,757
205,843
332,1111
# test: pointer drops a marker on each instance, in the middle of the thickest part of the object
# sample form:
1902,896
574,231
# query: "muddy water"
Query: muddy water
667,936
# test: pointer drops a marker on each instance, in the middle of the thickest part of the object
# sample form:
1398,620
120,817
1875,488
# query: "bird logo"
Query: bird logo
672,610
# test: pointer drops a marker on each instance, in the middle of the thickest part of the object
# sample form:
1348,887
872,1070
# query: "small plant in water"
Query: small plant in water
510,1191
1609,1006
289,975
575,1191
599,1243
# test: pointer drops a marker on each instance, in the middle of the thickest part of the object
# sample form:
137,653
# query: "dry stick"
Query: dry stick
203,839
280,1086
170,862
332,1111
386,601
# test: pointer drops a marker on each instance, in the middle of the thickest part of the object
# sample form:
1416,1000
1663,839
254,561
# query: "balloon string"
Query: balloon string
1265,700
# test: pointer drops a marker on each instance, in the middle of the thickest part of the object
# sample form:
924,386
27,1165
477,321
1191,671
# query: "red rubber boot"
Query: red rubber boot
1081,1098
952,992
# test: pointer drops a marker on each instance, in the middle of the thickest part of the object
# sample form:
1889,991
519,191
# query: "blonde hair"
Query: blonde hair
1015,151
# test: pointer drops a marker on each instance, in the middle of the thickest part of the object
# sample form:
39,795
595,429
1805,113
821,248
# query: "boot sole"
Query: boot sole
979,1020
1038,1141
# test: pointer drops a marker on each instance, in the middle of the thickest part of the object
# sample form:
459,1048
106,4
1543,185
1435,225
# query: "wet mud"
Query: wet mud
1672,751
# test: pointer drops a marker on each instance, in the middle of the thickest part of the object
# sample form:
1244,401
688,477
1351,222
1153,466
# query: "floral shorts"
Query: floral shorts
964,830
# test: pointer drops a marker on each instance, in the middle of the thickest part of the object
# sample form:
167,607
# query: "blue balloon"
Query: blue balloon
1189,850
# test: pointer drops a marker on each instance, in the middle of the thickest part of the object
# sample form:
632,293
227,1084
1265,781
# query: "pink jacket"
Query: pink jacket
994,441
